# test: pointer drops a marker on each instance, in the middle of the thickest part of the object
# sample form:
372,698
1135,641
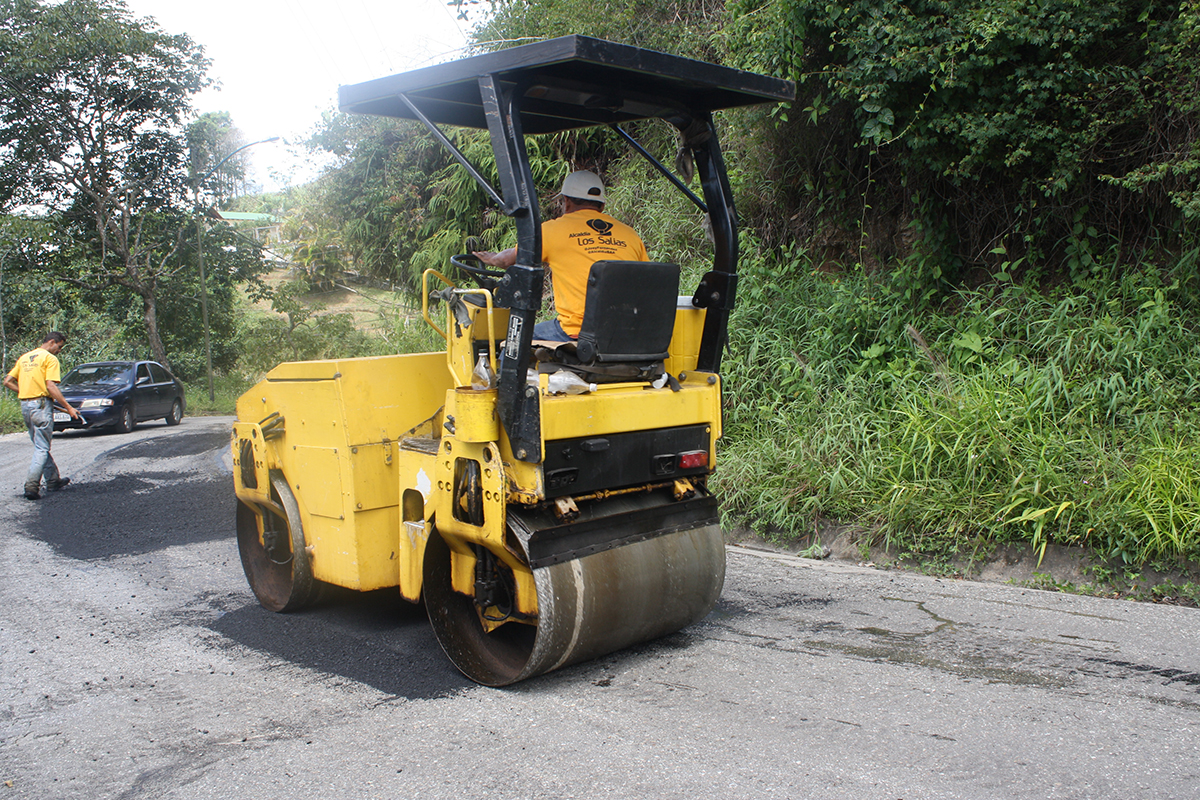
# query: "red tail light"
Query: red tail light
693,459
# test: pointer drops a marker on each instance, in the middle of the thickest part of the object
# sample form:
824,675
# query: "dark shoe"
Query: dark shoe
32,493
54,486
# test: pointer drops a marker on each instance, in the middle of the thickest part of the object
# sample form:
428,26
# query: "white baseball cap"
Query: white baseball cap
583,185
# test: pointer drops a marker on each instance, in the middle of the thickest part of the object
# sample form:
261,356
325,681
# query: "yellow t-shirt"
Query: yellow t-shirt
571,244
32,371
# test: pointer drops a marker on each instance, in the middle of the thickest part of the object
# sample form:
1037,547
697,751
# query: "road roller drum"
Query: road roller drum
587,606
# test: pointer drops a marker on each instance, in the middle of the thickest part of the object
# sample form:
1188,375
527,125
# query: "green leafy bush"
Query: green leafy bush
1058,128
1011,416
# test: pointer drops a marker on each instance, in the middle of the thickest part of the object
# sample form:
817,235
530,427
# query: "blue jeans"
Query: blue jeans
39,419
550,331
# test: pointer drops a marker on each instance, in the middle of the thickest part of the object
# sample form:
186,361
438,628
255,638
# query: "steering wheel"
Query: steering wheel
478,271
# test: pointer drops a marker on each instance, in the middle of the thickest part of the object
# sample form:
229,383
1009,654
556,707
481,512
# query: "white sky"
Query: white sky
279,62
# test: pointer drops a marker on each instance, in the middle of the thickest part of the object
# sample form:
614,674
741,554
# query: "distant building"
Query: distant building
268,228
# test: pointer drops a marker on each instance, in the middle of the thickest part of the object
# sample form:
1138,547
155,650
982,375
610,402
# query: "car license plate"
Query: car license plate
60,416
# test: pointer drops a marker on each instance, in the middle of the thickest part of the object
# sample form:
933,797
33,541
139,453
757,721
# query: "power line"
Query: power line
299,9
362,53
378,37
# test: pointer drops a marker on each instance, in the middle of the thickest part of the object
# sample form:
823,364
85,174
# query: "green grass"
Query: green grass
226,390
10,413
1000,416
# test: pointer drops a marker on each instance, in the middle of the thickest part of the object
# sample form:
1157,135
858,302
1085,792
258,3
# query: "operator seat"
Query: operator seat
628,319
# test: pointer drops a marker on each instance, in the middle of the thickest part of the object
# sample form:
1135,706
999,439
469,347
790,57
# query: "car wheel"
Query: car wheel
176,413
127,421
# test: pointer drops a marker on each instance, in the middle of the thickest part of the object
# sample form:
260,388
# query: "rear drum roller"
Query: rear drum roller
587,607
273,552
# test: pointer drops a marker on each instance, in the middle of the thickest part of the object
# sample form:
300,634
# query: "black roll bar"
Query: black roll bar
666,173
563,84
521,287
456,153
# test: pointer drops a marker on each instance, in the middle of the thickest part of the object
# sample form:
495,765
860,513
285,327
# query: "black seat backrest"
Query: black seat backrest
629,312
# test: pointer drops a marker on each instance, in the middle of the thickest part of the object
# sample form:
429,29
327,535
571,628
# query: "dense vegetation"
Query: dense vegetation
969,253
104,172
994,257
1007,416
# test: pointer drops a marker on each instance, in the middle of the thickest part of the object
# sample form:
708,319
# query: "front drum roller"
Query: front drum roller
587,606
271,543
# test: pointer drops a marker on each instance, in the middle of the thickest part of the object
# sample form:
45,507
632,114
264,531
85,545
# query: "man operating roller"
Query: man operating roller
581,236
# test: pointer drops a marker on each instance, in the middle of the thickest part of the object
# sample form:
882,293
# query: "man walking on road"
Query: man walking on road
35,380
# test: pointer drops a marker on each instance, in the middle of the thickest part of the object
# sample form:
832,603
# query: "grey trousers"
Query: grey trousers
39,419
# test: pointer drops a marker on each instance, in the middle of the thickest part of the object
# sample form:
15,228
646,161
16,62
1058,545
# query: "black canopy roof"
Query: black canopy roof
570,82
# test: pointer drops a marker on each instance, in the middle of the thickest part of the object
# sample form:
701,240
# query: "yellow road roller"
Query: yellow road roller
548,502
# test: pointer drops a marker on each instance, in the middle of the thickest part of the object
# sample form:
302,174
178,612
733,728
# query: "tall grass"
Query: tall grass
227,389
10,413
1004,416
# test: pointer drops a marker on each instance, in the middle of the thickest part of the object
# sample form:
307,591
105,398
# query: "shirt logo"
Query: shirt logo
600,226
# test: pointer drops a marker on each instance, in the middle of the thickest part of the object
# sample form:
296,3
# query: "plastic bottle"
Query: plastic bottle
563,382
483,377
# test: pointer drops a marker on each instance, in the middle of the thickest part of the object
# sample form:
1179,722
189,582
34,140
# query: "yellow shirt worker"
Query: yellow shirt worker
35,380
583,235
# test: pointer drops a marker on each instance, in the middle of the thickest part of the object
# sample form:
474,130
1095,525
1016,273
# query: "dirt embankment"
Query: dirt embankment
1071,569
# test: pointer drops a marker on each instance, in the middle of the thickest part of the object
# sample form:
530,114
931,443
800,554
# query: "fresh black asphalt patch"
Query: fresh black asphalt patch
172,445
375,638
133,514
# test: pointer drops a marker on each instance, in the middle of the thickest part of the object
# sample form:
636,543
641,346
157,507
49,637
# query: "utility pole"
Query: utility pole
200,227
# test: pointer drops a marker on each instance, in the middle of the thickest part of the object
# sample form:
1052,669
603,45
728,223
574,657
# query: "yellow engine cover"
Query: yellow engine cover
338,445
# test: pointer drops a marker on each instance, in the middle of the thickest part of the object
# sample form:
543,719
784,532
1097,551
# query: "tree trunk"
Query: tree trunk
150,312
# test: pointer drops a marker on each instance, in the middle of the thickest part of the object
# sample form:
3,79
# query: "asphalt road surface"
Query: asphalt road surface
134,663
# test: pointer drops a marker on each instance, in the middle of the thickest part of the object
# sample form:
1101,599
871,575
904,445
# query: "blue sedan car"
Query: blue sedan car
120,394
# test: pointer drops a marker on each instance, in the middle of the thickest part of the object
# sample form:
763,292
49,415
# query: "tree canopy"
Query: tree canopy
1044,128
92,116
942,138
92,109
